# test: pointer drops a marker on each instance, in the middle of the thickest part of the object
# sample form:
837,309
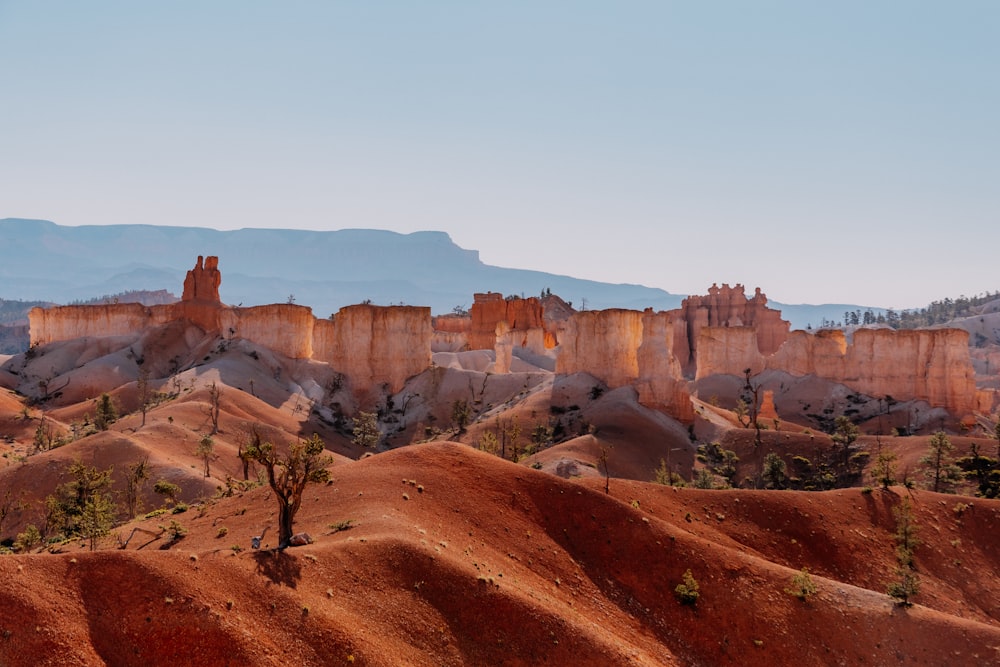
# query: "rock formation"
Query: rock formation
451,333
376,346
524,325
370,345
726,307
202,282
661,384
924,364
504,348
604,343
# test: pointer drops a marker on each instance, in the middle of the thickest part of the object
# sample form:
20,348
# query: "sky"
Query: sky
827,152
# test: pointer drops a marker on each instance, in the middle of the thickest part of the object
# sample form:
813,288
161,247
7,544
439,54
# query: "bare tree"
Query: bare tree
603,458
135,477
143,392
9,502
750,401
214,394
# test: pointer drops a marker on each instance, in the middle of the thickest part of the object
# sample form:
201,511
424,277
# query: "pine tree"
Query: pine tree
941,472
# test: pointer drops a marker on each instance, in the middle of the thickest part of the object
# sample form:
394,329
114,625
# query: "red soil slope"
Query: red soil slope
456,557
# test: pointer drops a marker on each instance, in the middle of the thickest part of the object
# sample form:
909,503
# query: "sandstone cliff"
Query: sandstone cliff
373,346
933,365
726,307
604,343
661,384
524,327
378,346
283,327
68,322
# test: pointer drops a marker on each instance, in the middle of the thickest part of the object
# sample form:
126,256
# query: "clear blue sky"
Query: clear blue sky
824,151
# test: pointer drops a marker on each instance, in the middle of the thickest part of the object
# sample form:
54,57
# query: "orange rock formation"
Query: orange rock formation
370,345
524,326
726,307
604,343
379,345
924,364
202,282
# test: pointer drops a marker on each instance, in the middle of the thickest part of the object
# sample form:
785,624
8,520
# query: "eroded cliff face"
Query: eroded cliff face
451,333
661,383
47,325
491,308
930,364
283,327
604,343
933,365
726,307
523,321
373,346
377,346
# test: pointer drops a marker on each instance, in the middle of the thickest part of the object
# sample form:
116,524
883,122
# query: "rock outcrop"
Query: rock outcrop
101,320
523,320
378,346
604,343
451,333
371,345
202,282
626,347
661,383
726,307
283,327
933,365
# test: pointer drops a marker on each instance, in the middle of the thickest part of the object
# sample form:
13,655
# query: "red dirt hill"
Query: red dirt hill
455,557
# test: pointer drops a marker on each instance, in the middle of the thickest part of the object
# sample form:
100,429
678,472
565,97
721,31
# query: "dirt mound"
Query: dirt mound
448,556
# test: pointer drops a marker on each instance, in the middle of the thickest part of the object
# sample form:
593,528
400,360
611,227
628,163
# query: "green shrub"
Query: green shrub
802,585
687,592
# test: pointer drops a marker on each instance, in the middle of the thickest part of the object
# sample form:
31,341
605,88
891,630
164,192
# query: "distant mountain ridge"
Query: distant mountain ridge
322,269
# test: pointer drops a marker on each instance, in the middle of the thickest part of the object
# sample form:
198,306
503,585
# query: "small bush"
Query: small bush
179,508
155,513
222,532
802,585
175,530
687,592
342,525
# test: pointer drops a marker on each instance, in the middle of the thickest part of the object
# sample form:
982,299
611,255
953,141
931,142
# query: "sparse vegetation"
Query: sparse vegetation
722,462
687,591
907,584
366,431
884,470
940,470
662,475
81,506
289,474
775,472
168,490
106,412
206,451
136,475
802,585
460,414
214,407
